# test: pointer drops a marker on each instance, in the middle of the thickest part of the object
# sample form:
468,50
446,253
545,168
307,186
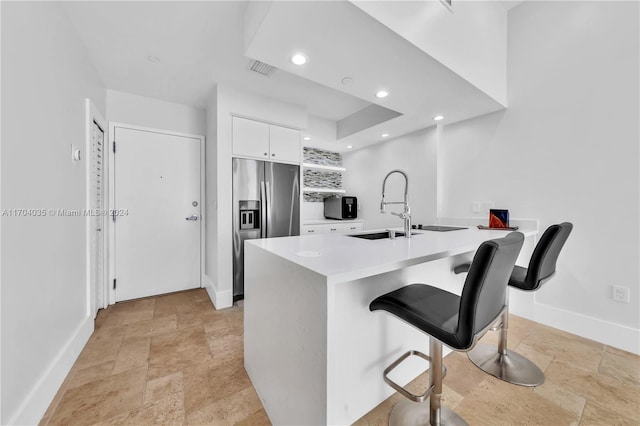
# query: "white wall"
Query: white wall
415,154
46,76
224,102
565,150
322,133
471,40
143,111
211,191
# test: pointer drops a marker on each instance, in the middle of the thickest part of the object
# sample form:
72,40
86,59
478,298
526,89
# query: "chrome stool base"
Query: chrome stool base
407,412
510,367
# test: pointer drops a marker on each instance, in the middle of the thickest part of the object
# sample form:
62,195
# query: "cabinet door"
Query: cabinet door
334,228
353,227
312,229
342,228
250,138
284,144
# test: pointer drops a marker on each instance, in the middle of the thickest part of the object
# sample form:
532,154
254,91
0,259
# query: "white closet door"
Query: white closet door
96,204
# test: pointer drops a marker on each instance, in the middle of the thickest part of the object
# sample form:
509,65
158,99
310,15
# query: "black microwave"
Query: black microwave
341,208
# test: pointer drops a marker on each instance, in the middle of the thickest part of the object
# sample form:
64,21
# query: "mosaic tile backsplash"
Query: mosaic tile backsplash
320,156
317,178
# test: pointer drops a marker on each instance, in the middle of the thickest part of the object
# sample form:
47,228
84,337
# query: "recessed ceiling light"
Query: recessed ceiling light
153,59
307,138
346,80
382,94
299,59
349,146
438,117
385,135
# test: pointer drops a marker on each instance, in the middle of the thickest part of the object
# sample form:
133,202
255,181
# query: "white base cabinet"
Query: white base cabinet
331,228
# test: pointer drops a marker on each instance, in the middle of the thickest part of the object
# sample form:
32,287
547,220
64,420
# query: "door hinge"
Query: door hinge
114,147
114,283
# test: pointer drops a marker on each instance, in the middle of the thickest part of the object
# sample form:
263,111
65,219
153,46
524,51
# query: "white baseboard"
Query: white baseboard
606,332
40,396
220,299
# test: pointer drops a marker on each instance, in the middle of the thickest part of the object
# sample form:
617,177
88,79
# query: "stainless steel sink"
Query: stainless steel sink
379,235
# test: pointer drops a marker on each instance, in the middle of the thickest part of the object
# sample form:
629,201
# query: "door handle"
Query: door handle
192,217
263,210
268,199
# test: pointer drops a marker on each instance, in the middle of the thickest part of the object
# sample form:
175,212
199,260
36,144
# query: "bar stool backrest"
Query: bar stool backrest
485,289
543,260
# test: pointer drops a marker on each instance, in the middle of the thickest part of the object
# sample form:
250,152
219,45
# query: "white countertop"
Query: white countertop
343,258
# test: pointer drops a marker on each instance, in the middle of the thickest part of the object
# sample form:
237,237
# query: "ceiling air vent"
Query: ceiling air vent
261,67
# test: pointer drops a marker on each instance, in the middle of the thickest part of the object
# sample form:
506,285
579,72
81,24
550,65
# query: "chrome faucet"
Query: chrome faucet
406,214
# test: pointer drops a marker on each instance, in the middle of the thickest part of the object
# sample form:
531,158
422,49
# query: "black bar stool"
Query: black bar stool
501,362
456,321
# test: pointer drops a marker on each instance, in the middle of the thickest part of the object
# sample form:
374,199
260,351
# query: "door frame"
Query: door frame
112,196
92,114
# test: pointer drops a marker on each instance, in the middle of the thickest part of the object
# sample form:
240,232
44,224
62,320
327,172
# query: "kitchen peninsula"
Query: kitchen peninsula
313,350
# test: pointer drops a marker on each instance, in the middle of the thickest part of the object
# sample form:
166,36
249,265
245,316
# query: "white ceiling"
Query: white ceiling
340,40
201,43
198,44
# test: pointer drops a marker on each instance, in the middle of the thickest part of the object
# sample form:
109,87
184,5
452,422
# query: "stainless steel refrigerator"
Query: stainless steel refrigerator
266,203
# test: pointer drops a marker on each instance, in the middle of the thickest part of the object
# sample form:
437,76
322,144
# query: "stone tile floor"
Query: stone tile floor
174,359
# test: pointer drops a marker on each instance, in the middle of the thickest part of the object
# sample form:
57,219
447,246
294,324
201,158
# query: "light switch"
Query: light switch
475,207
486,205
75,154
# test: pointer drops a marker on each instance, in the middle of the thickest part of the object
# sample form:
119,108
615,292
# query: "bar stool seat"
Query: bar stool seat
518,277
432,310
456,321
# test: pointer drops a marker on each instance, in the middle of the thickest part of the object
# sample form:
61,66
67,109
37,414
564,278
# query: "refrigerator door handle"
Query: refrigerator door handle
268,192
263,210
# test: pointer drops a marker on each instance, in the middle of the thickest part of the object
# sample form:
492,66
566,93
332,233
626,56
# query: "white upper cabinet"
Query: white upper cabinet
284,144
265,141
250,138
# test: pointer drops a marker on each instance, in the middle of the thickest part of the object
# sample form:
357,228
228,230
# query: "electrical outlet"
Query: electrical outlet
620,294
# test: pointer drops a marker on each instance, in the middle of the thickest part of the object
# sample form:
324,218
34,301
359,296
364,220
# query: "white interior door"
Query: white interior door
157,206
